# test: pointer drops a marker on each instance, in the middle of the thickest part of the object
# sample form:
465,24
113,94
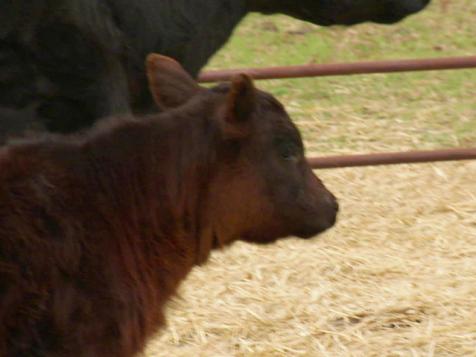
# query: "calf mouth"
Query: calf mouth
316,224
318,227
304,225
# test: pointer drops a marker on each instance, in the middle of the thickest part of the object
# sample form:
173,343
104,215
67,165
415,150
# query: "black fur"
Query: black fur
66,63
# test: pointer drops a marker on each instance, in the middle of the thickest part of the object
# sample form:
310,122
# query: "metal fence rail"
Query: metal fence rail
391,158
337,69
316,70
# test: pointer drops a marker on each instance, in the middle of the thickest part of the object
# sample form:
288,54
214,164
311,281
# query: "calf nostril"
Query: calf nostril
336,205
332,202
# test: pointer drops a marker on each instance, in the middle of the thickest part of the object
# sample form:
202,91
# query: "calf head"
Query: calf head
342,12
261,187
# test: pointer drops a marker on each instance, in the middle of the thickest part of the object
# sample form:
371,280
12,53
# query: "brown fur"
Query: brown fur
98,230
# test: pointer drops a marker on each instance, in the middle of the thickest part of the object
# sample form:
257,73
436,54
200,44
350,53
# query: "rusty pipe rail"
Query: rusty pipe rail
336,69
392,158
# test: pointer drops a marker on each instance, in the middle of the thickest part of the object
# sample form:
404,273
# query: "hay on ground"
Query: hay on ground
396,277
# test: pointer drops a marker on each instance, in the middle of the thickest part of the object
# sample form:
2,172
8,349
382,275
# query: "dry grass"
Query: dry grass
397,275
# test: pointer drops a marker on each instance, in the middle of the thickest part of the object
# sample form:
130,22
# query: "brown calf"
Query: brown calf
98,230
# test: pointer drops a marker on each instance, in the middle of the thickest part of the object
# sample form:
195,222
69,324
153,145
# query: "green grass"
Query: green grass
369,112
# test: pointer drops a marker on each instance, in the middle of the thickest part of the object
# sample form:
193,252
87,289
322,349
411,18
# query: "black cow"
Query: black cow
66,63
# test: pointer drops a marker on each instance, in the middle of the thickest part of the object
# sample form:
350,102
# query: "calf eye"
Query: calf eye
287,149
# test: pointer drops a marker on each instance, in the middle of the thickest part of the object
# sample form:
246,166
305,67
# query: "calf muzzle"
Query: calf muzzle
325,217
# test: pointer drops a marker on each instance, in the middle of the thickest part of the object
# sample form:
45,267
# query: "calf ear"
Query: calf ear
240,104
169,84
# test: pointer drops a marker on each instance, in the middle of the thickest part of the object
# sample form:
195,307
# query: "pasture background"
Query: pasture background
397,275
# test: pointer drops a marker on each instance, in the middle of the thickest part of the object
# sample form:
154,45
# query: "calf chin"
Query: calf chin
310,229
300,223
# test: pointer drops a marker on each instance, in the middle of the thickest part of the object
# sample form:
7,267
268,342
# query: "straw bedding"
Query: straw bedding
396,277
